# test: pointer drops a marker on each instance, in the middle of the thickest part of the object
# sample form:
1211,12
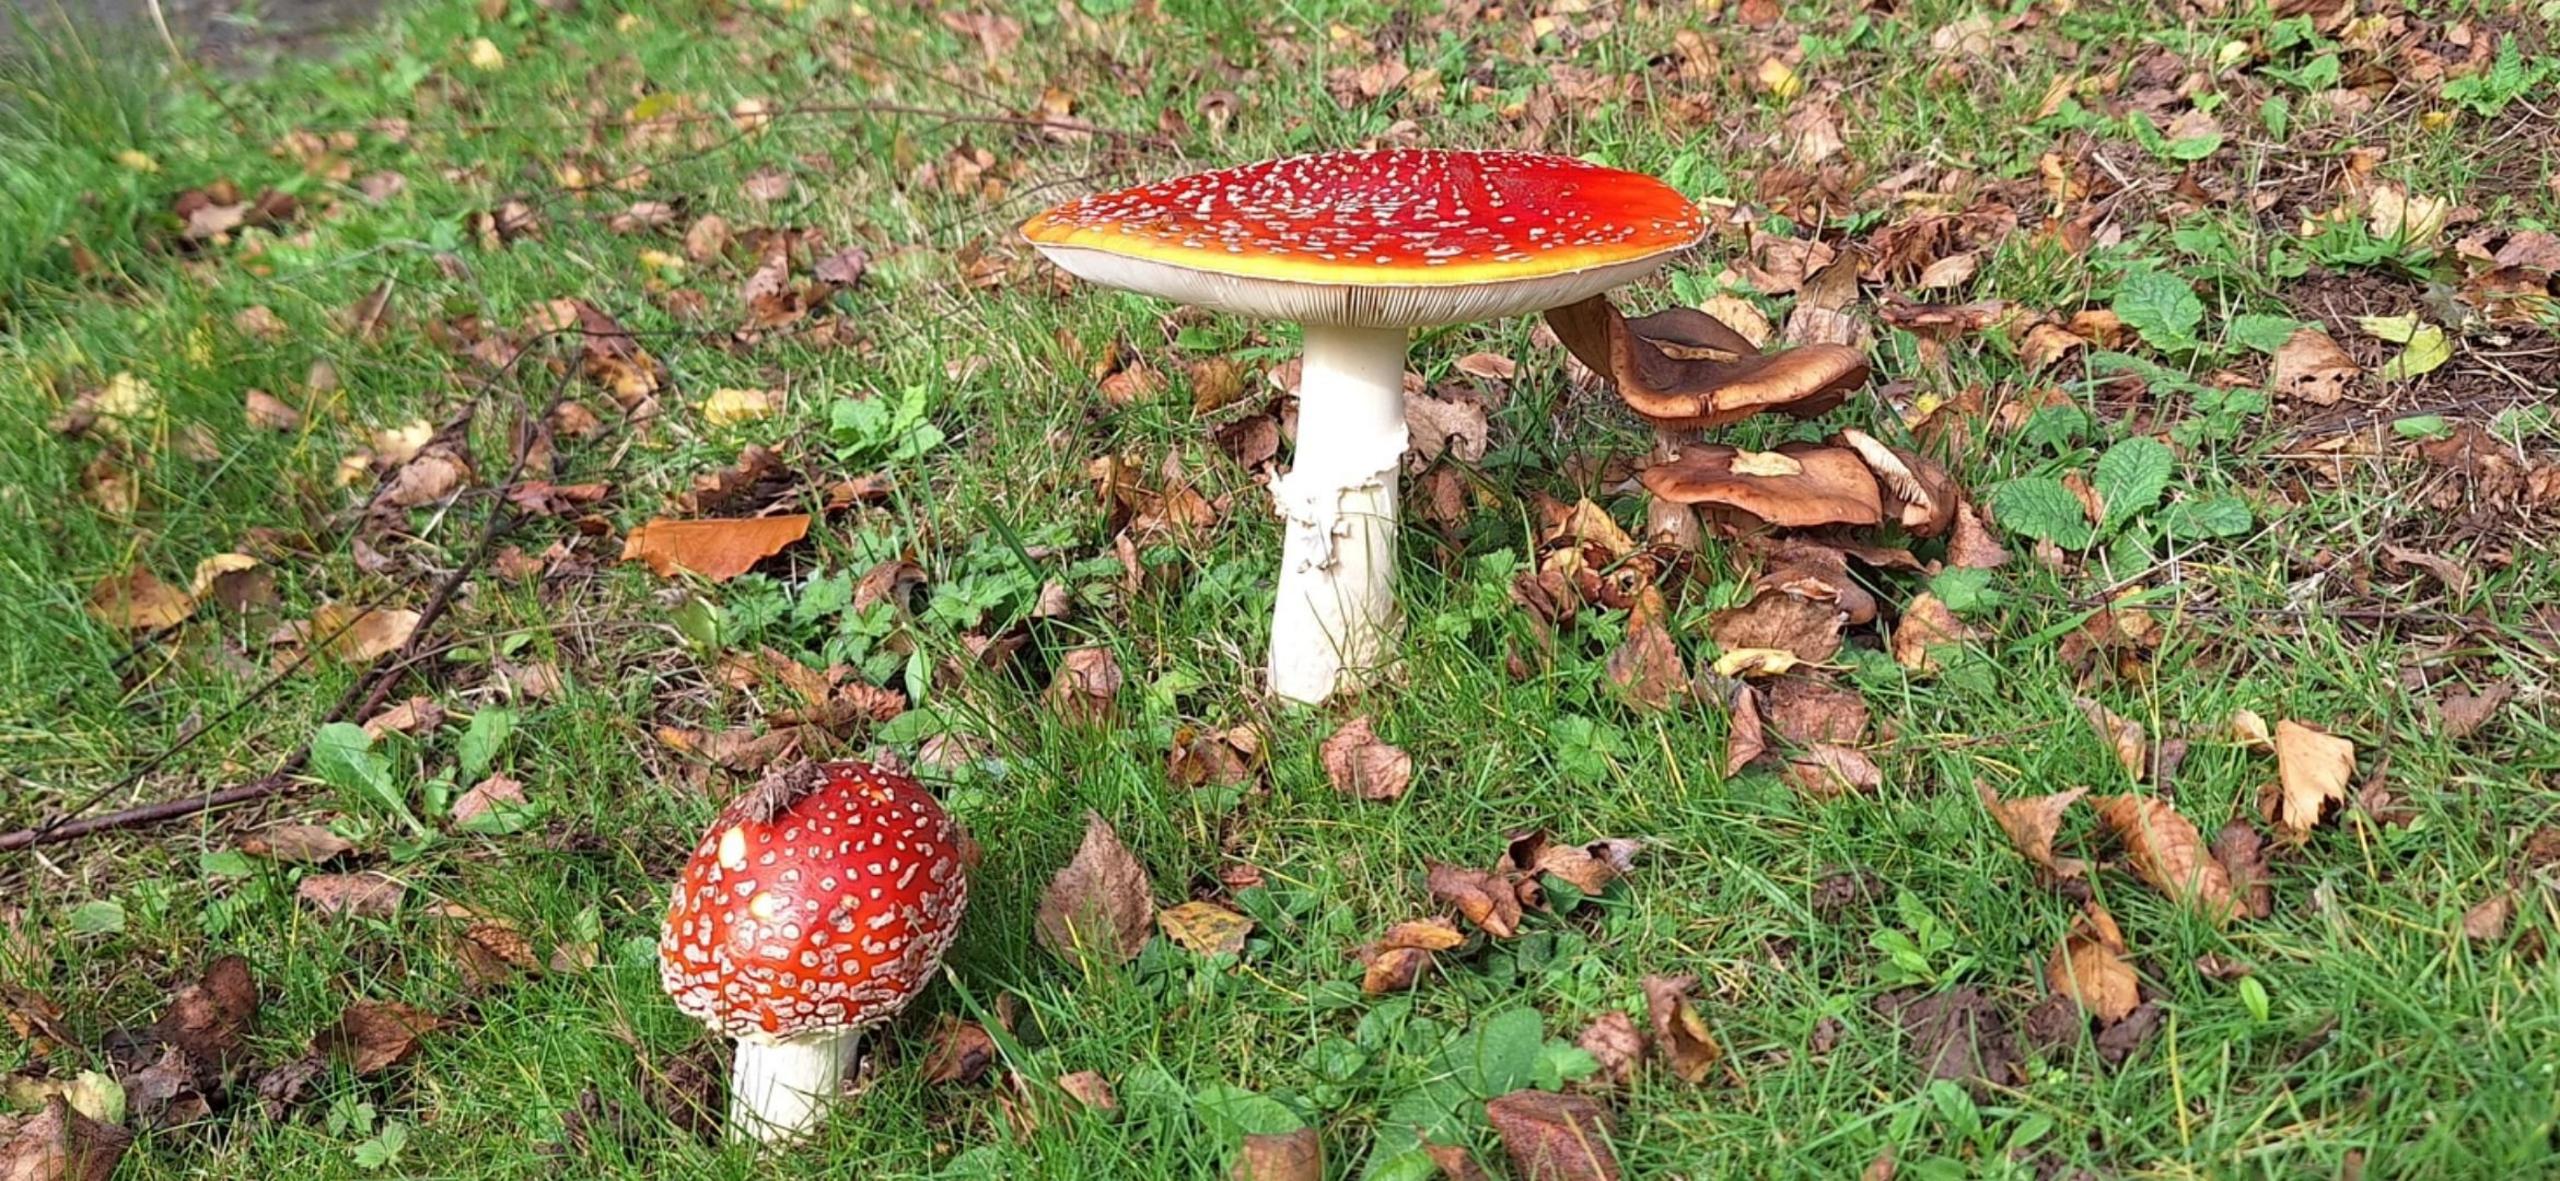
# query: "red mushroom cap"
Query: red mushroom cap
823,899
1542,228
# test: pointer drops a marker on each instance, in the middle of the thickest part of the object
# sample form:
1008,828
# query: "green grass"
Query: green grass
2387,1037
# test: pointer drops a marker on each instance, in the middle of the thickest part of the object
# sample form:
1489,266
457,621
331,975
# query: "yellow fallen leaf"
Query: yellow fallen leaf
729,407
485,56
360,634
1205,927
218,565
2312,769
1755,662
136,601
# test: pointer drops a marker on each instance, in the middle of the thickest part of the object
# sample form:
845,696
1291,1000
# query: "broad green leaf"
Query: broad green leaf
342,757
1233,1113
2396,329
2263,333
2161,307
2423,427
480,744
1964,590
2040,507
2131,477
1502,1055
100,916
2199,517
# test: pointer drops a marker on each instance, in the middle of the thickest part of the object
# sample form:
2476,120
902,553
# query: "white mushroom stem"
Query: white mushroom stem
780,1088
1335,622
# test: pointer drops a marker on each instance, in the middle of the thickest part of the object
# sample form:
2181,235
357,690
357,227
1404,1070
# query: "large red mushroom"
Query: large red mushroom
1360,248
817,906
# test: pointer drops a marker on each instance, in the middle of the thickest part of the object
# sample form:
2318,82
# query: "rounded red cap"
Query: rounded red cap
822,899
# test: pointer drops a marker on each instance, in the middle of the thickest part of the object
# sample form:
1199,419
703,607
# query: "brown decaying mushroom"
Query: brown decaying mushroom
1797,486
1359,248
816,907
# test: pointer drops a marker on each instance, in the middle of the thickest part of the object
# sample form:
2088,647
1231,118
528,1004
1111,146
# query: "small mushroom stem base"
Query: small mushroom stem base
1334,624
780,1089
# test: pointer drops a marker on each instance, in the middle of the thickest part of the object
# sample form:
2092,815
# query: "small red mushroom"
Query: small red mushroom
816,907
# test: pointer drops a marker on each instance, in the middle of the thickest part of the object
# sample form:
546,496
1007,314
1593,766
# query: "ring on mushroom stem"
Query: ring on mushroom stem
817,906
1359,248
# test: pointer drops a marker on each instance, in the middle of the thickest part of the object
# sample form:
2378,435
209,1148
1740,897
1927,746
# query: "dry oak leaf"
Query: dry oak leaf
718,549
2089,967
1280,1156
1485,899
1102,900
2168,853
1085,686
2312,769
1553,1137
137,601
2031,822
308,844
60,1144
1679,1034
1616,1044
1926,625
357,634
1357,762
1205,927
1396,960
2132,746
361,895
374,1036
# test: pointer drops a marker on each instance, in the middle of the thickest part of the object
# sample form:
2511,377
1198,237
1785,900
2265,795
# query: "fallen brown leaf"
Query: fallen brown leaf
962,1051
718,549
1828,772
1744,739
2487,920
1616,1044
1552,1137
2311,367
1395,961
1205,927
2168,853
1227,758
137,601
1485,899
408,717
2242,853
1679,1034
358,895
1971,546
1810,711
2125,738
60,1144
1090,1089
361,634
2089,967
1358,763
1926,626
308,844
1958,1035
374,1036
488,795
2031,822
2464,713
1646,671
1086,686
268,412
1590,867
1456,1162
1280,1156
1774,619
2312,770
1102,902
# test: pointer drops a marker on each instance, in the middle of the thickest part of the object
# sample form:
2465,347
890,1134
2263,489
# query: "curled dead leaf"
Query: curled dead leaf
961,1052
2089,967
2169,854
1485,899
1679,1033
1359,763
1616,1044
2132,747
374,1036
1395,960
2312,769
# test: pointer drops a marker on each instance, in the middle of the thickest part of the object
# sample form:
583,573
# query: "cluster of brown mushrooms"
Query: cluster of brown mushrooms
1684,371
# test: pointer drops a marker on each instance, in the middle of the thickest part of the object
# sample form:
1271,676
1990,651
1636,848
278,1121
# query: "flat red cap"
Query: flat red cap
1545,228
822,899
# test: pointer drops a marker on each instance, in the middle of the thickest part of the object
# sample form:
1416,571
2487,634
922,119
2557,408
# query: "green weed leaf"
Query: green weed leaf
2040,507
2161,307
2131,477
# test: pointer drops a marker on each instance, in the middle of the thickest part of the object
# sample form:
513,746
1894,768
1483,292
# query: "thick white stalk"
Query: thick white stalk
1335,622
780,1089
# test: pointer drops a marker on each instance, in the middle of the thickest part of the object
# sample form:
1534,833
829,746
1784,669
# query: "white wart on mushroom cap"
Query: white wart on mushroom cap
822,900
1403,237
